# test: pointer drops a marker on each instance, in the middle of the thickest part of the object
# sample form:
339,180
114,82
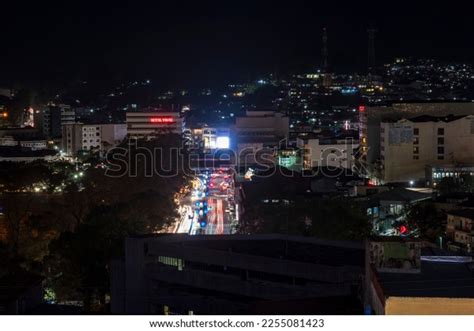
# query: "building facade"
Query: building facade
51,118
151,122
181,274
319,152
410,277
91,137
370,119
460,229
407,147
265,124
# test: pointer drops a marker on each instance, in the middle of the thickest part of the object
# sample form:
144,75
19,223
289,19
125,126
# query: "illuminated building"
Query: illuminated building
289,158
91,137
152,121
207,138
215,138
323,152
408,146
371,117
387,207
258,134
460,229
409,277
435,173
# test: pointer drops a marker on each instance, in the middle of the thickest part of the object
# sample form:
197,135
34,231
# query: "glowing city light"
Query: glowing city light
223,142
162,119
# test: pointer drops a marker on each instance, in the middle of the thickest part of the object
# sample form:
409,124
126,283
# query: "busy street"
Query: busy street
210,206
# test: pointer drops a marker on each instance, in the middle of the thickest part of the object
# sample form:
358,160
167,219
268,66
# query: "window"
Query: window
172,261
416,157
441,150
440,140
416,150
440,157
440,131
416,131
416,141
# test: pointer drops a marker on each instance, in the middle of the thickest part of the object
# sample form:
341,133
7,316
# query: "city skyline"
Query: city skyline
234,159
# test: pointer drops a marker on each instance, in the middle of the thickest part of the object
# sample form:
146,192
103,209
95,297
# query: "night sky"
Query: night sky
208,43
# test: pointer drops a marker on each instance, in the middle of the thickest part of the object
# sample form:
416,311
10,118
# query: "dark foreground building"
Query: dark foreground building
237,274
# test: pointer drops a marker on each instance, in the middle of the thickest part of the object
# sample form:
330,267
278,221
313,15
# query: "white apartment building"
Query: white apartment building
91,137
321,152
408,147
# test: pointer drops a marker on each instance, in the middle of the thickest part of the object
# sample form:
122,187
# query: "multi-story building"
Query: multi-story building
150,122
371,117
436,173
258,135
260,123
324,152
236,274
91,137
460,229
51,118
409,277
407,147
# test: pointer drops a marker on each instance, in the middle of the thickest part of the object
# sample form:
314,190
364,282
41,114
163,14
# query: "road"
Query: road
210,207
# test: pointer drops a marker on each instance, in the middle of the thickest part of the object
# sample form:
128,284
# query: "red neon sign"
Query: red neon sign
162,119
362,109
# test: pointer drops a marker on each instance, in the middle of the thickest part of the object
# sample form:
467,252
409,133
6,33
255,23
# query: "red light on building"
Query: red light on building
162,119
403,229
361,109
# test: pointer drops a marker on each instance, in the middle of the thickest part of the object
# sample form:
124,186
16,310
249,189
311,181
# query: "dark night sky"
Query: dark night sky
206,43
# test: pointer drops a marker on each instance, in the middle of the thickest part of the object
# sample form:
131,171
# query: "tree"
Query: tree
78,263
16,209
426,220
449,185
337,219
105,210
